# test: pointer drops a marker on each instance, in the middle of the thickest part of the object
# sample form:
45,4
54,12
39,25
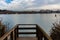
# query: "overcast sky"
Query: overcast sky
18,5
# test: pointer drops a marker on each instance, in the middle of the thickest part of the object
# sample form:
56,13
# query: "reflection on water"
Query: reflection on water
44,20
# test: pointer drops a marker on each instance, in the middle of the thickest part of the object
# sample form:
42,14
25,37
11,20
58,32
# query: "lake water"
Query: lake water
43,20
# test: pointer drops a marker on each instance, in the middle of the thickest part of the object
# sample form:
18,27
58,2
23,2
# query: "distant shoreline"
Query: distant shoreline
29,12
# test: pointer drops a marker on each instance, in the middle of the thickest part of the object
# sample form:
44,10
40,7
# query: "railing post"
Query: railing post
39,33
15,34
11,35
45,38
17,31
36,31
5,38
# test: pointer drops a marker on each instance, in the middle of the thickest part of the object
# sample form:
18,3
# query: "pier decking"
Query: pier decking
14,33
27,38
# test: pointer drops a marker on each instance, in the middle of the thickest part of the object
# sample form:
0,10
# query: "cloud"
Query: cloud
17,5
30,2
52,7
2,4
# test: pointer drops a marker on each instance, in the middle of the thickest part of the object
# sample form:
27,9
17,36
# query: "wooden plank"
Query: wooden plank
26,24
27,38
27,33
27,28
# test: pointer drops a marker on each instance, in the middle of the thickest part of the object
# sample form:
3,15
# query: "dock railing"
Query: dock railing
13,34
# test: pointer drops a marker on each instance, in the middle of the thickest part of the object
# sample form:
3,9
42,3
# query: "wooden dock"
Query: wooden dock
14,33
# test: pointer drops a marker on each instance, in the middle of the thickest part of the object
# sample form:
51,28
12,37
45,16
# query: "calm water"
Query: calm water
44,20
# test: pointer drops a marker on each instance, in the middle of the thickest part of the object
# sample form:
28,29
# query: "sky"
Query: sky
20,5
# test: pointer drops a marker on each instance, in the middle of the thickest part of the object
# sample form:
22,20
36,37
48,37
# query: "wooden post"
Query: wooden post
11,35
17,31
45,38
5,38
15,34
39,33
